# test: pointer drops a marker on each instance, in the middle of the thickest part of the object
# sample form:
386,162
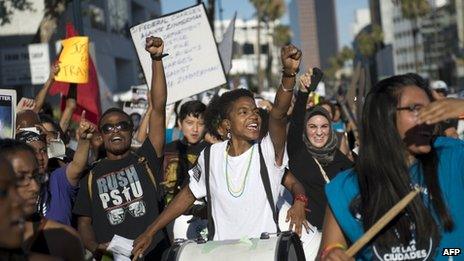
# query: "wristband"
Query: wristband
285,90
302,198
332,246
158,57
290,75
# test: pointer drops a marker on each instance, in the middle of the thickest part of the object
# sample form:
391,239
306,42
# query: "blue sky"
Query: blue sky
345,12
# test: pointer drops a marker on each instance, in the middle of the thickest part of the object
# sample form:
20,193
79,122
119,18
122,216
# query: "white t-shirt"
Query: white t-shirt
248,214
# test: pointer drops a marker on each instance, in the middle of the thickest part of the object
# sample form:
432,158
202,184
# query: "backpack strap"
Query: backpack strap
267,186
208,194
142,160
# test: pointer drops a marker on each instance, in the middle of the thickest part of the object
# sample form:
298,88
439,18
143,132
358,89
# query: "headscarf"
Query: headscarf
326,154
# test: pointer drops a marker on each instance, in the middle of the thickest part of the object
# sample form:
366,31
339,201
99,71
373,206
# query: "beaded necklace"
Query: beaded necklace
241,189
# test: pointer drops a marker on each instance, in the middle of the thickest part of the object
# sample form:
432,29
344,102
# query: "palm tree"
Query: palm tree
413,10
259,5
274,10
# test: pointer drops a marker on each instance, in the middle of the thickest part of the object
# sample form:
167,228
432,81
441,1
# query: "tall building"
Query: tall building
362,17
314,30
106,23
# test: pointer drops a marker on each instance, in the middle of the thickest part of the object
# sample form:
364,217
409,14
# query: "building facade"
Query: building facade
107,25
314,29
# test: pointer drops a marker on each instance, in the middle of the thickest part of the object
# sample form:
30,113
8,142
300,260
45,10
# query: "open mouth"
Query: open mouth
252,126
116,139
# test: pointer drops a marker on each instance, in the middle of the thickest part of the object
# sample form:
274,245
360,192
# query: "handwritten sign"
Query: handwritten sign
74,60
193,64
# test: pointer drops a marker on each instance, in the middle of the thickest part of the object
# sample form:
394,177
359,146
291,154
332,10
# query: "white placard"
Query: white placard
25,65
193,64
7,113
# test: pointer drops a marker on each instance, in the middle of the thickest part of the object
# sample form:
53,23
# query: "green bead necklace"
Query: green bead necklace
239,192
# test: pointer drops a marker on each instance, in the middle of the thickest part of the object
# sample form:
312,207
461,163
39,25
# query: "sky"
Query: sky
345,12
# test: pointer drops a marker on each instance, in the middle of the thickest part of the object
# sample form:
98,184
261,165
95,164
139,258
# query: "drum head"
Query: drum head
289,248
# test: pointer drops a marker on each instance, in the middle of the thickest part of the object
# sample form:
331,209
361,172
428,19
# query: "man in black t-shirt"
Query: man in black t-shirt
120,195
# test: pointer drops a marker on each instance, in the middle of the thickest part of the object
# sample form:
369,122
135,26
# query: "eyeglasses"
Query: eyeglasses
25,180
117,216
412,108
120,126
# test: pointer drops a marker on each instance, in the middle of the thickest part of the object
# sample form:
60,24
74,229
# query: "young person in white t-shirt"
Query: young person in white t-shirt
239,203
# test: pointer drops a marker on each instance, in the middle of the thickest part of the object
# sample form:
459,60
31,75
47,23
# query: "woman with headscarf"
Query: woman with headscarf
314,158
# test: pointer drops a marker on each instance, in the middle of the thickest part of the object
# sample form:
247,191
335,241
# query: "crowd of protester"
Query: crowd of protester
64,194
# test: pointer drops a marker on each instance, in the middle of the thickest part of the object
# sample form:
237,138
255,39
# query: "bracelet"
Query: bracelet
301,197
158,57
332,246
290,75
285,90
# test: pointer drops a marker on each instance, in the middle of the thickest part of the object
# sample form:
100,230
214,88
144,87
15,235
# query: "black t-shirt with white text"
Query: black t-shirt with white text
124,199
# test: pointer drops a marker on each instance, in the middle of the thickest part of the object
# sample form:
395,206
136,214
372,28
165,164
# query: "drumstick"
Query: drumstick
381,223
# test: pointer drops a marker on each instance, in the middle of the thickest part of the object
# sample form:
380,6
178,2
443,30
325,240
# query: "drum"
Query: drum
285,246
310,239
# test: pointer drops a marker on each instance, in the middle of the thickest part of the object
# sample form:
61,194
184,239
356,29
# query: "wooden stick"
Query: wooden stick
381,223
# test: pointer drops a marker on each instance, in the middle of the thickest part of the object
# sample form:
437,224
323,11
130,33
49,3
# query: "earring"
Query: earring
229,135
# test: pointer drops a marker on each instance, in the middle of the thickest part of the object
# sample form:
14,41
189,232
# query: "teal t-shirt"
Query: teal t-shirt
344,188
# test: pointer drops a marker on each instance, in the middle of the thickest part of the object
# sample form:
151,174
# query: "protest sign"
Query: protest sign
139,93
193,64
7,113
25,65
135,111
74,60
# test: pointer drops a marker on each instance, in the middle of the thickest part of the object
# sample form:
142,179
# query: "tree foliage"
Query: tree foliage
368,41
9,7
413,9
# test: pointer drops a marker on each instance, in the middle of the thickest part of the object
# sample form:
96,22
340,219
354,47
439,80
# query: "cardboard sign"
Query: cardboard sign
74,60
25,65
7,113
193,64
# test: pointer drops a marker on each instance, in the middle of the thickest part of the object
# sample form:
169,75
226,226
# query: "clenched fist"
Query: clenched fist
291,58
155,46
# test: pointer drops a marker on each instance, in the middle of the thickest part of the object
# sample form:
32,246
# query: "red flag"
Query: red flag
88,94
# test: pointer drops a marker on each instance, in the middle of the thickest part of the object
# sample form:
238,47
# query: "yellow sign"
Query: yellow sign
74,60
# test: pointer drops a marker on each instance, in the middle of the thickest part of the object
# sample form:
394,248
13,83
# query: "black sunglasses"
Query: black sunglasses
120,126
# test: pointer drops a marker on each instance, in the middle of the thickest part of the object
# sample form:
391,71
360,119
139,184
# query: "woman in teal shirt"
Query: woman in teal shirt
398,152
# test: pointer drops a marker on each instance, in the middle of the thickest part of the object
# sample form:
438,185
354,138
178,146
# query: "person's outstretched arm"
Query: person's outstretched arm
296,124
158,92
179,205
142,132
296,214
77,166
291,58
40,98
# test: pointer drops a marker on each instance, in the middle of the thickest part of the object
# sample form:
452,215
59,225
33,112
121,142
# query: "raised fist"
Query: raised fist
155,46
291,58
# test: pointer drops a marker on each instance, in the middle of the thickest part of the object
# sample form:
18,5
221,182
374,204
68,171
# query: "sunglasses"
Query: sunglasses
120,126
117,216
